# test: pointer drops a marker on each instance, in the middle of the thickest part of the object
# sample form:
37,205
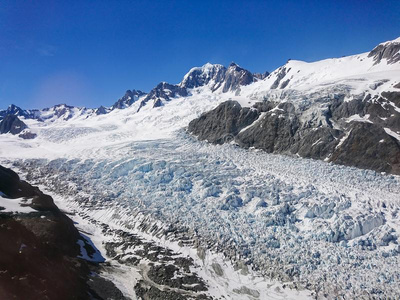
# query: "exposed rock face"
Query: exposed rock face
389,51
208,74
216,77
61,111
27,135
11,124
260,76
163,92
223,123
369,146
359,132
130,97
235,77
101,110
45,248
17,111
39,250
281,74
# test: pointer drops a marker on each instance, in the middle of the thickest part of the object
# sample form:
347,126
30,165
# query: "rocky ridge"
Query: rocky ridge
12,124
217,77
330,136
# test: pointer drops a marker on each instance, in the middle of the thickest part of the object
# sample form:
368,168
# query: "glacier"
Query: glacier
317,224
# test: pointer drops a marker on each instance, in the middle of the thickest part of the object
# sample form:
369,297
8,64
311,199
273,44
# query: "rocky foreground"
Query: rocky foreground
40,252
44,256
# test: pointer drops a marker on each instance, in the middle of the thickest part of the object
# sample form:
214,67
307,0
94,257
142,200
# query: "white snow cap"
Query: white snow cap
206,68
395,41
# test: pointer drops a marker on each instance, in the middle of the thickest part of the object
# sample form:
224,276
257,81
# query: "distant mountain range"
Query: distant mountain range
219,78
343,110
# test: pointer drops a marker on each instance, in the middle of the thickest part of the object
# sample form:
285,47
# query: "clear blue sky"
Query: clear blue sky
88,53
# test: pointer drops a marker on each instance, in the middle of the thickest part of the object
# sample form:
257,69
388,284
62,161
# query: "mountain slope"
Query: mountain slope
344,110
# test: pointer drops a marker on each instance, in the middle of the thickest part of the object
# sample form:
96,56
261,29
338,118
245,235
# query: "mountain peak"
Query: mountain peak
390,51
395,41
127,100
235,67
200,76
12,110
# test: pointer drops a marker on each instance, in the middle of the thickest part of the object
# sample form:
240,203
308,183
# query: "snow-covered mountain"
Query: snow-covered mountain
59,112
17,111
219,78
216,78
128,99
317,110
344,110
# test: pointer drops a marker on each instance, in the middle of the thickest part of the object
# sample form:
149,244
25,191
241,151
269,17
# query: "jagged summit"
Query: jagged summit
17,111
128,99
236,81
101,110
389,51
200,76
395,41
12,124
217,77
163,92
235,77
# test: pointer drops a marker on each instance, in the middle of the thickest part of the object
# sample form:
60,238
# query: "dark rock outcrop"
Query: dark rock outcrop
223,123
163,92
27,135
389,51
12,124
369,146
39,250
261,76
17,111
235,77
130,97
366,141
281,74
101,110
